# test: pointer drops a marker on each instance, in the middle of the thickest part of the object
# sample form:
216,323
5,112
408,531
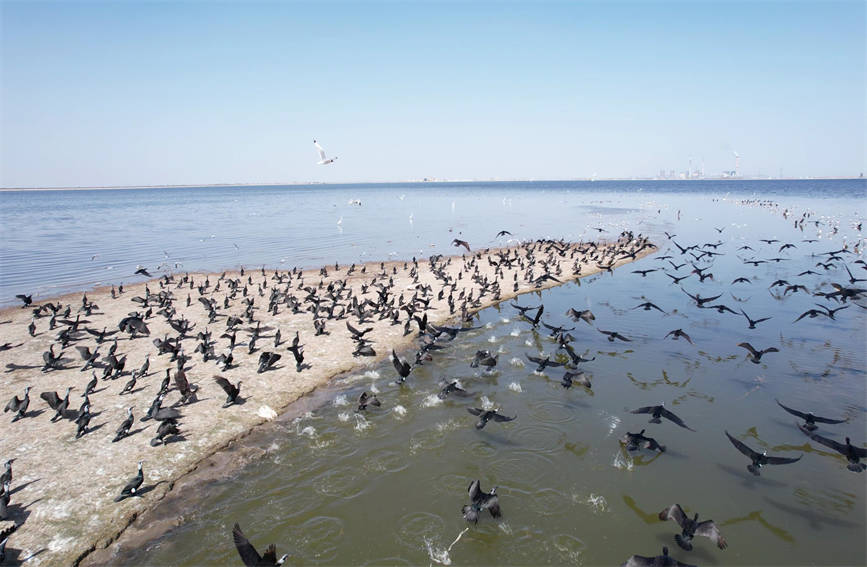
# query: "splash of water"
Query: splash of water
517,362
399,411
361,423
431,401
598,502
622,462
309,431
341,400
442,556
515,387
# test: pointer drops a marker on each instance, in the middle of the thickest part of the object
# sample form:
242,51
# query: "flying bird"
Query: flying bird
659,411
487,415
678,333
403,367
322,159
664,560
692,527
634,441
852,453
753,322
250,556
759,459
457,243
810,418
480,500
755,356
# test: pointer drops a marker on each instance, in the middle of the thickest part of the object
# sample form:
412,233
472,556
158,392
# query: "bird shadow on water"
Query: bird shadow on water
816,519
748,480
669,452
495,438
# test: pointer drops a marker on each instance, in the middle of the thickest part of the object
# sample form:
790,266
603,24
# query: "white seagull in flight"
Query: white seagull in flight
322,159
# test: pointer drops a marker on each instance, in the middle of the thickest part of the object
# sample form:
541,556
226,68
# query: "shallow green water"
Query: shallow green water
387,486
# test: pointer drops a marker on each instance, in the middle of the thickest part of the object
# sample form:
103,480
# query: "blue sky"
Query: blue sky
127,93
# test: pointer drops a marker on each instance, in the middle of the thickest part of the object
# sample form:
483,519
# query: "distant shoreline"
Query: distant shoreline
417,182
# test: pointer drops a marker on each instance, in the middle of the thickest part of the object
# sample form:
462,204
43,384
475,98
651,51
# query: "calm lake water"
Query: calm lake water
386,487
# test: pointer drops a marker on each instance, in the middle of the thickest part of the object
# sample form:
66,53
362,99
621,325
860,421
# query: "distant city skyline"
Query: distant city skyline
145,94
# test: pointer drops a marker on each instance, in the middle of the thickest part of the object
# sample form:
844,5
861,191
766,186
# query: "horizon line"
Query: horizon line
424,181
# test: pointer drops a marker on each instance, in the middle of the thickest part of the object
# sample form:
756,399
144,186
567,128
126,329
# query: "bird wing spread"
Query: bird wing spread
52,398
498,417
474,490
669,415
248,553
741,447
673,512
794,412
709,529
781,460
224,384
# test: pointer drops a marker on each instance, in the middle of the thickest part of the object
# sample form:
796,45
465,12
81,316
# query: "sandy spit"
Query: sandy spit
64,489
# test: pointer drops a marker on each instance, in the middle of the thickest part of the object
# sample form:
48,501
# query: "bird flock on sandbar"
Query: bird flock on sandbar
238,306
213,332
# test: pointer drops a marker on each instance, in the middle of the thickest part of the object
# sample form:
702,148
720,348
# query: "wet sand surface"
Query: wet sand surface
64,488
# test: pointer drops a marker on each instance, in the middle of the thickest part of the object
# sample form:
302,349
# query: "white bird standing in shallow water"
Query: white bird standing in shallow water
322,159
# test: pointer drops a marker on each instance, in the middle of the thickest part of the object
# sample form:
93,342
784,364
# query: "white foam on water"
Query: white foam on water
492,339
309,431
374,389
341,400
528,343
504,320
621,462
489,325
487,404
517,362
515,332
430,401
515,387
399,411
372,374
361,423
343,416
437,555
505,528
598,502
449,425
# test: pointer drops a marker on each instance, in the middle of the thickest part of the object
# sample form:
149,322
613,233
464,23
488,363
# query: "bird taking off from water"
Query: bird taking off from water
322,159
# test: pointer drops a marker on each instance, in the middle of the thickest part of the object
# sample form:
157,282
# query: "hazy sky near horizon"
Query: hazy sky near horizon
125,93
